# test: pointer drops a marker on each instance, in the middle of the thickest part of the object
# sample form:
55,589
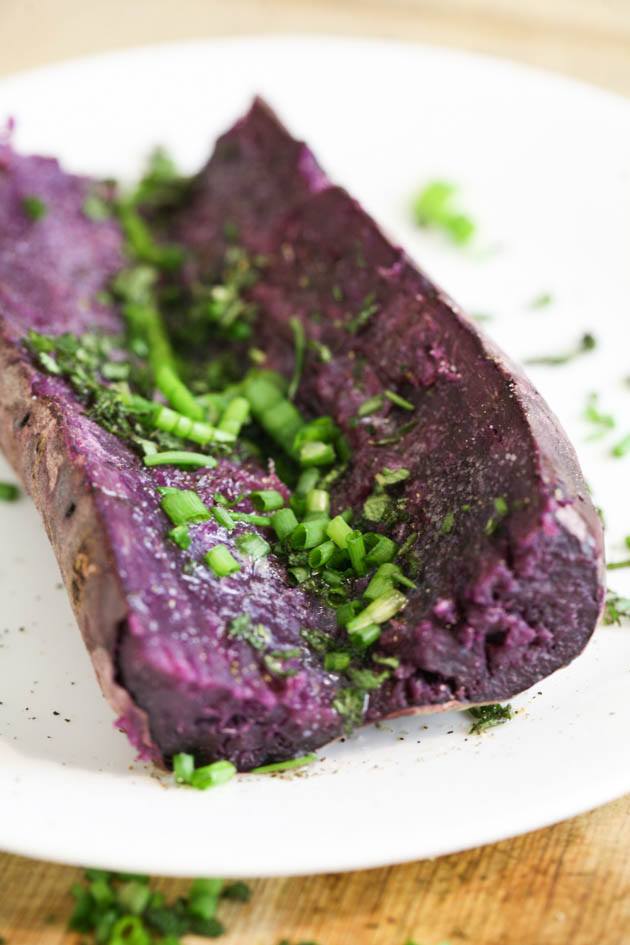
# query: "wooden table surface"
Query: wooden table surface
567,885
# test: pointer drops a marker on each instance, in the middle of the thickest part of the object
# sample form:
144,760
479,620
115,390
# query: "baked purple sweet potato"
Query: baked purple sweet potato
453,457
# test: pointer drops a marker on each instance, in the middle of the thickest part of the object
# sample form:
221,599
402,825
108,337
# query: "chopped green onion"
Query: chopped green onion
370,406
176,423
332,578
622,447
616,565
336,662
380,549
223,517
284,523
318,500
141,242
235,415
285,765
309,534
9,492
321,555
251,519
181,536
34,208
184,507
339,530
251,544
340,560
298,575
347,611
365,636
356,550
398,400
379,611
266,500
307,481
176,392
134,896
316,453
183,767
213,775
382,581
299,341
221,560
180,458
322,429
129,930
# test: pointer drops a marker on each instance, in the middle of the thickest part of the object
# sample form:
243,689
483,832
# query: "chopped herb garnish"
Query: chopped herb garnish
184,507
398,400
586,343
366,679
221,561
336,662
616,609
375,507
487,716
433,207
256,634
179,458
448,523
500,511
9,492
285,765
34,208
267,500
252,545
350,704
601,422
541,301
181,536
616,565
223,517
299,345
370,406
212,775
96,209
323,351
391,477
276,661
369,308
622,448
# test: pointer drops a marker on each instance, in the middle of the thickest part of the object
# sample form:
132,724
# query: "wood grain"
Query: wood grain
567,885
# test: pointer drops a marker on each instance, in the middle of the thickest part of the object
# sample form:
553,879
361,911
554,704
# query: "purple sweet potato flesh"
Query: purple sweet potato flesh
502,601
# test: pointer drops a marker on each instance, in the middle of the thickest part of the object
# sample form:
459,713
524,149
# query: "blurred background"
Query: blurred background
589,39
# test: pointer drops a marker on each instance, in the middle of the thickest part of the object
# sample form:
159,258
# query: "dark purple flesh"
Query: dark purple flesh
501,601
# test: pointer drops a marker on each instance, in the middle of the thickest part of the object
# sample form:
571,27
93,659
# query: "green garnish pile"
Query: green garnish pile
121,909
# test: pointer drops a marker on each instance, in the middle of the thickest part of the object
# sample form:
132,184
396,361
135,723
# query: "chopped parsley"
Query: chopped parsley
487,716
34,208
586,343
243,628
390,477
434,207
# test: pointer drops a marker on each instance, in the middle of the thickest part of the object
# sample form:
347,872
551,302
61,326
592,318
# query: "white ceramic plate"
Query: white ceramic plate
544,166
